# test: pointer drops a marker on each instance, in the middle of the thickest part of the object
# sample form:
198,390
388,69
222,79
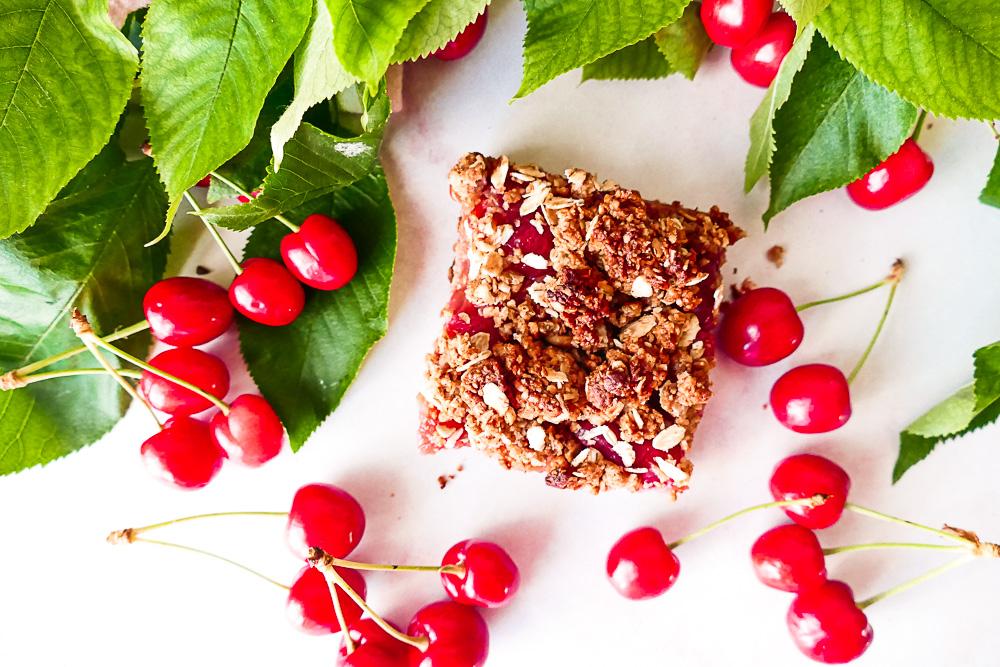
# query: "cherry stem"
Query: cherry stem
129,533
74,372
280,218
906,585
325,564
456,569
864,511
338,609
69,354
842,297
893,280
920,125
812,501
82,329
203,552
893,545
122,354
214,233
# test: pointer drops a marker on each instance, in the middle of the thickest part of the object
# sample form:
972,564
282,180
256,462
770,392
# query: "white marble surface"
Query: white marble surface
67,598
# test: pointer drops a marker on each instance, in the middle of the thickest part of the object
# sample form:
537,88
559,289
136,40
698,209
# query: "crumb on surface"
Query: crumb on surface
776,255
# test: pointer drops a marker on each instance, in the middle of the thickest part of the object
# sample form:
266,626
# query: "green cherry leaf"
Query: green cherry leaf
305,368
803,11
207,68
642,60
566,34
435,25
834,128
941,55
684,42
318,77
366,33
991,192
85,251
969,409
762,122
65,76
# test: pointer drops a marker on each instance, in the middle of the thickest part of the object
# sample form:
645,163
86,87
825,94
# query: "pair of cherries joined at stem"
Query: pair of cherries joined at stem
825,621
324,525
762,326
759,38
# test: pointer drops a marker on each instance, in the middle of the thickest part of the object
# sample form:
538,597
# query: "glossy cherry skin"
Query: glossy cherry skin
465,41
827,625
458,636
814,398
734,22
757,61
761,327
203,370
804,476
183,453
641,565
187,311
899,176
243,199
321,254
373,647
267,293
789,558
324,516
251,433
491,577
205,181
310,604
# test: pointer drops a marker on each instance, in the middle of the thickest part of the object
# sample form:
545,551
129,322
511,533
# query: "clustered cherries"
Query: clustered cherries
759,38
825,621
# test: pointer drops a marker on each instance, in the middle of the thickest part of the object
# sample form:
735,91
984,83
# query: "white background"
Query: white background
67,598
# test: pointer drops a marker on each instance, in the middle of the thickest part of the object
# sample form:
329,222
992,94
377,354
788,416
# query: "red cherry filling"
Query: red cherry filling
187,311
310,603
433,428
645,453
757,61
814,398
203,370
321,254
183,453
266,292
899,176
535,241
734,22
491,577
466,319
373,647
458,636
251,433
761,327
641,565
806,475
789,558
324,516
827,625
465,41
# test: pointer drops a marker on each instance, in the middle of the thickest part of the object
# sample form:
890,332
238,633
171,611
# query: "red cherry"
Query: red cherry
267,293
814,398
310,604
827,625
789,558
465,41
252,433
205,181
761,327
491,577
324,516
243,199
641,565
187,311
183,453
734,22
758,60
373,647
804,476
321,254
203,370
899,176
458,636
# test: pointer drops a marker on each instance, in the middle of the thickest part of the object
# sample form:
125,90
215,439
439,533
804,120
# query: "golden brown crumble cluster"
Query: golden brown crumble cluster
577,340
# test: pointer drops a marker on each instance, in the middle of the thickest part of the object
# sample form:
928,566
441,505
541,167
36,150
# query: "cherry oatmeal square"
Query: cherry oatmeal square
577,341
